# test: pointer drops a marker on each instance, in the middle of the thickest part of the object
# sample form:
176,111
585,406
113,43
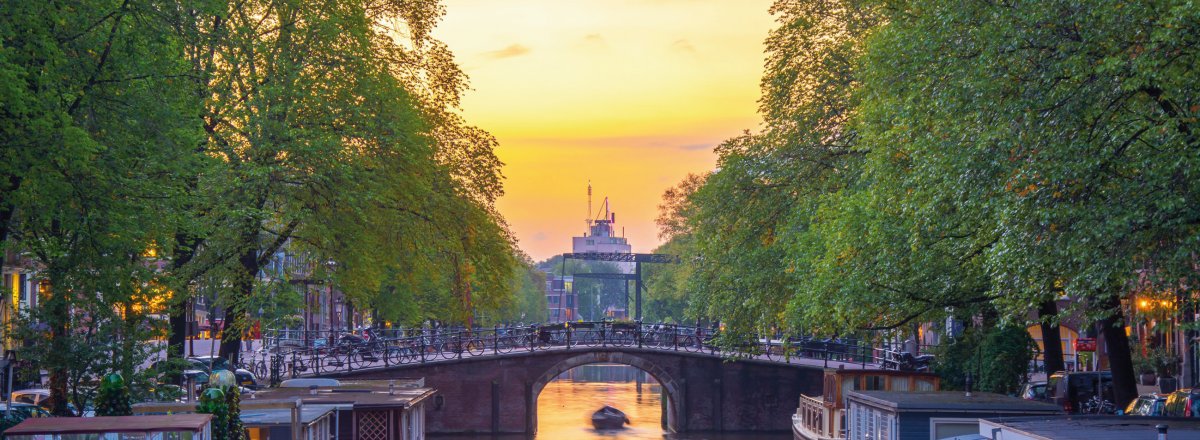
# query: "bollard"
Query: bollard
1162,431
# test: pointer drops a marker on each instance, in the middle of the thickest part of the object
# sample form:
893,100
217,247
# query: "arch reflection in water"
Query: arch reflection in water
566,405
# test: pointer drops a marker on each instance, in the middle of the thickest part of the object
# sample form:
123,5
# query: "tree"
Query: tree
334,131
920,157
995,358
1068,120
96,128
757,210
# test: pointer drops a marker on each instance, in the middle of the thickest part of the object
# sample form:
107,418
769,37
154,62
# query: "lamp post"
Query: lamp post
336,313
331,265
307,315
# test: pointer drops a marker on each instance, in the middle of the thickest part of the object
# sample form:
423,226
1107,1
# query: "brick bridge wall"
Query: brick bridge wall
498,394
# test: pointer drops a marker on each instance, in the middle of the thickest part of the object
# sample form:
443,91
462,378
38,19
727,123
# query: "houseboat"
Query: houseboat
824,417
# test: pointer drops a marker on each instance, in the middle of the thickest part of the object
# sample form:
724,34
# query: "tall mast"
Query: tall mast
589,214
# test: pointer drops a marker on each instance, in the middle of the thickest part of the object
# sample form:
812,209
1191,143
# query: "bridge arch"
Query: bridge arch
671,385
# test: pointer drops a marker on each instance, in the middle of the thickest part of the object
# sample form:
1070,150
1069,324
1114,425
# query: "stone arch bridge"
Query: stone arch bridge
487,384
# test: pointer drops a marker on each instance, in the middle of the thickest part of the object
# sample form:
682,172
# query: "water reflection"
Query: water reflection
566,405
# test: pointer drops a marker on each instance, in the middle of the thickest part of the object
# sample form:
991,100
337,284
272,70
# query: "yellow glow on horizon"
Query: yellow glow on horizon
631,94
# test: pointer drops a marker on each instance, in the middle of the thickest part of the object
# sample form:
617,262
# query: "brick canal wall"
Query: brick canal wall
498,394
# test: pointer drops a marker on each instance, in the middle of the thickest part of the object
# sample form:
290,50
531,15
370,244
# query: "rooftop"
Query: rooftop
360,393
77,425
257,418
1095,427
950,401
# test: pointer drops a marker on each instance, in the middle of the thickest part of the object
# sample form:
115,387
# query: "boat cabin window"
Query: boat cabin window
924,385
899,384
874,383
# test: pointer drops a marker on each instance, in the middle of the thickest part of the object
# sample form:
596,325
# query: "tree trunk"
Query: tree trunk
1187,372
235,310
1052,356
127,341
1120,359
185,251
177,340
58,318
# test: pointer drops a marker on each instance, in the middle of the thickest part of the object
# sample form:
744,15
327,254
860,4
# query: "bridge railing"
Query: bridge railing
346,353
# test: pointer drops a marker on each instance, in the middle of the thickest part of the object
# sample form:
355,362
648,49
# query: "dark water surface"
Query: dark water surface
566,405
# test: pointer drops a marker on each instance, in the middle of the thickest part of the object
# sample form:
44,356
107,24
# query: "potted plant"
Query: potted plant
1144,366
1165,365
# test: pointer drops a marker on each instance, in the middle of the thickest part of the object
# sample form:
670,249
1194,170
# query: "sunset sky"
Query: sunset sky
631,94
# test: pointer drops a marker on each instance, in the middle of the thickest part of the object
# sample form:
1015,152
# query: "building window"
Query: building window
591,242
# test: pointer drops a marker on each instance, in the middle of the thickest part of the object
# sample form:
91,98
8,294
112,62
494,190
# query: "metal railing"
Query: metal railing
338,352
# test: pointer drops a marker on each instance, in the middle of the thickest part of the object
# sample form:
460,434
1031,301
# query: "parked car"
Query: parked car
22,411
1183,403
1087,392
40,397
172,374
1151,404
1034,390
244,377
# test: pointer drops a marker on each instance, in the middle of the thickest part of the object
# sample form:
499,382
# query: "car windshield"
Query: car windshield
216,362
1038,391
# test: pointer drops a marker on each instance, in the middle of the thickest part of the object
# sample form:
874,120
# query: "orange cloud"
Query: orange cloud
514,50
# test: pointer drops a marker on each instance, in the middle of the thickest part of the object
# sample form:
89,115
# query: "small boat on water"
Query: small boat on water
609,418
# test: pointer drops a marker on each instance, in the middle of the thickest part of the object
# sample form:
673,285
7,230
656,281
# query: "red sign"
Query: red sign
1085,344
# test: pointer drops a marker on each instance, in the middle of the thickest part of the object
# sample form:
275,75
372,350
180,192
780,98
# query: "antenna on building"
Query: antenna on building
589,214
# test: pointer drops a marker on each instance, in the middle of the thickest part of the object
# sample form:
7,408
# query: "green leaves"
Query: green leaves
924,155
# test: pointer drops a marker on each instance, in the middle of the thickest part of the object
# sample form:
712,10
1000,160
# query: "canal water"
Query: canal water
566,405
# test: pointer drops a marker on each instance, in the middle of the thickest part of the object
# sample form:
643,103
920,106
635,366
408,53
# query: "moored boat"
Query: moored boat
824,417
609,418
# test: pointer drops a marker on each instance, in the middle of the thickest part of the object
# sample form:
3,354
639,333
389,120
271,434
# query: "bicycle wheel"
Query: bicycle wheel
475,347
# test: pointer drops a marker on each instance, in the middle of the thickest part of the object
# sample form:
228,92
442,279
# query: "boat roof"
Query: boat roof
81,425
1093,427
957,401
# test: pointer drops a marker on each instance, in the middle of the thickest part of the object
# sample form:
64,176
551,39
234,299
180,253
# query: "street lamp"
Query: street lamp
337,311
307,315
331,265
